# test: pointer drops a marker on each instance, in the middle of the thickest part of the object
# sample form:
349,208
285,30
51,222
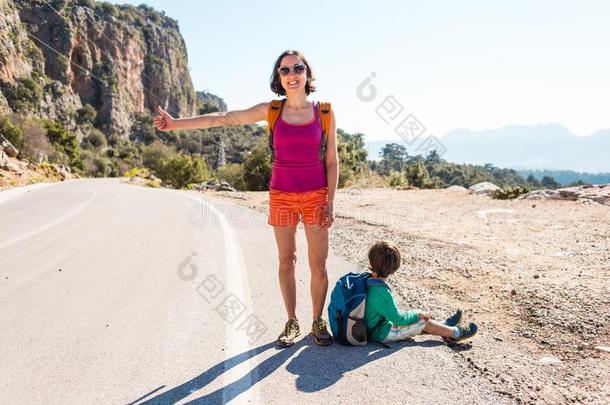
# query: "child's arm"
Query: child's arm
387,307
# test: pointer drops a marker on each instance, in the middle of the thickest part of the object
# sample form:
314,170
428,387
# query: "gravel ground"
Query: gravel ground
532,274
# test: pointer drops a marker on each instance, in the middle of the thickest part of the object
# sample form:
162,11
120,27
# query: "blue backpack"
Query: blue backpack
346,308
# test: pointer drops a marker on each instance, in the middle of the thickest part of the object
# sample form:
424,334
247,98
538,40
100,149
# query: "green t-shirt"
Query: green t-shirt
380,302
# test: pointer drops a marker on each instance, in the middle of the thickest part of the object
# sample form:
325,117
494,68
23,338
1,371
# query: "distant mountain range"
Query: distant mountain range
544,146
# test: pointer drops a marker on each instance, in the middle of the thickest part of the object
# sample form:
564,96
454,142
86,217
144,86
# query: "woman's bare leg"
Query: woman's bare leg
317,252
285,237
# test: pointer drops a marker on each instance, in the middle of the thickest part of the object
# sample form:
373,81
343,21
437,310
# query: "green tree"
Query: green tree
534,182
393,158
549,182
417,175
65,143
352,156
143,130
257,167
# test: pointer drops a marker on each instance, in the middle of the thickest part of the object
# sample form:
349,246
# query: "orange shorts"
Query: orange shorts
287,208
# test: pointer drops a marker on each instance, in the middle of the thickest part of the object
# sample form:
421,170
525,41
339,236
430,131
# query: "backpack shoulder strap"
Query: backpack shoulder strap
376,282
324,113
274,111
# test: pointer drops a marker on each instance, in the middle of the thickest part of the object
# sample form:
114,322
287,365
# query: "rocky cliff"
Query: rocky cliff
57,56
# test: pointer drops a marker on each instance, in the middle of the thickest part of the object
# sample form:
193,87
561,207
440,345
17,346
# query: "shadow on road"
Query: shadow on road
316,368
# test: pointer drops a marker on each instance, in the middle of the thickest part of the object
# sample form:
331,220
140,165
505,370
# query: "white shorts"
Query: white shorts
405,332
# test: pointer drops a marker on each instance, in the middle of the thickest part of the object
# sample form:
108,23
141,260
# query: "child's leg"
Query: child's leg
439,329
404,332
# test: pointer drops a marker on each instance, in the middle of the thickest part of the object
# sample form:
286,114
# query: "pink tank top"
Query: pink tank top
297,166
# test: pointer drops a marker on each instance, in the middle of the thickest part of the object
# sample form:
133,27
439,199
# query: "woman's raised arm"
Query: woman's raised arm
165,122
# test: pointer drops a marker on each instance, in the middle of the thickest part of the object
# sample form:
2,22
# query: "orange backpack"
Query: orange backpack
275,110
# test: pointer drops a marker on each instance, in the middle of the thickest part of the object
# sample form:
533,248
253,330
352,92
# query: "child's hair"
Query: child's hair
384,258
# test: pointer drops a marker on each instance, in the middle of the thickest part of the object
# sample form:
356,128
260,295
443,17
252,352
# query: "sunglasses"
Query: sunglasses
297,69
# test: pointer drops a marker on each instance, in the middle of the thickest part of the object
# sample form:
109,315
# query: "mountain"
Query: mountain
543,146
58,56
209,102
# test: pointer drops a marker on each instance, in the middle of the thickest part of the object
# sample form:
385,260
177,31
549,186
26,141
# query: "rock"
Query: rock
456,188
596,193
485,188
11,164
3,160
142,72
64,171
549,360
570,193
8,147
603,348
535,195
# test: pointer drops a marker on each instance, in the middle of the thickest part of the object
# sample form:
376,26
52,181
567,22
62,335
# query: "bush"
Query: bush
24,96
143,130
11,132
182,170
417,175
96,139
65,144
86,114
36,145
109,8
137,172
174,169
234,174
509,193
103,167
86,3
257,167
397,179
156,155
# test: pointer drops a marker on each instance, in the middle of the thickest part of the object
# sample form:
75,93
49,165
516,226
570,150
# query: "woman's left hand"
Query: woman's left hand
329,215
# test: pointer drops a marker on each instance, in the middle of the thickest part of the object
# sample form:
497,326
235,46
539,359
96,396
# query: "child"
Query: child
385,322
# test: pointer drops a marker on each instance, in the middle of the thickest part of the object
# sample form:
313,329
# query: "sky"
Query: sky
450,64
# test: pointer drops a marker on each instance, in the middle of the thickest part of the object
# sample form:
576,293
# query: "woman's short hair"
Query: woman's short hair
384,258
276,84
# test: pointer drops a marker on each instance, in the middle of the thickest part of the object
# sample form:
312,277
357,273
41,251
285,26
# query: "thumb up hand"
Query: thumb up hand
164,121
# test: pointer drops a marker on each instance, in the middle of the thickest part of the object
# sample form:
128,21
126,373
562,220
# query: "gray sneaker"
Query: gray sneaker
291,331
319,330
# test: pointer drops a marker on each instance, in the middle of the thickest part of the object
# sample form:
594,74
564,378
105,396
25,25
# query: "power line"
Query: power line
152,93
68,59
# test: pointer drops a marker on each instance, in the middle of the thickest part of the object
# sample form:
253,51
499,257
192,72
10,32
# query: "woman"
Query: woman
302,184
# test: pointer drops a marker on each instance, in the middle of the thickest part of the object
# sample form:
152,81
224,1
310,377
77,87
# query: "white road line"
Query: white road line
237,284
49,224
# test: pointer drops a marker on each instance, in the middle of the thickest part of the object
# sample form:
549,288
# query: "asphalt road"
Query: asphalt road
118,294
